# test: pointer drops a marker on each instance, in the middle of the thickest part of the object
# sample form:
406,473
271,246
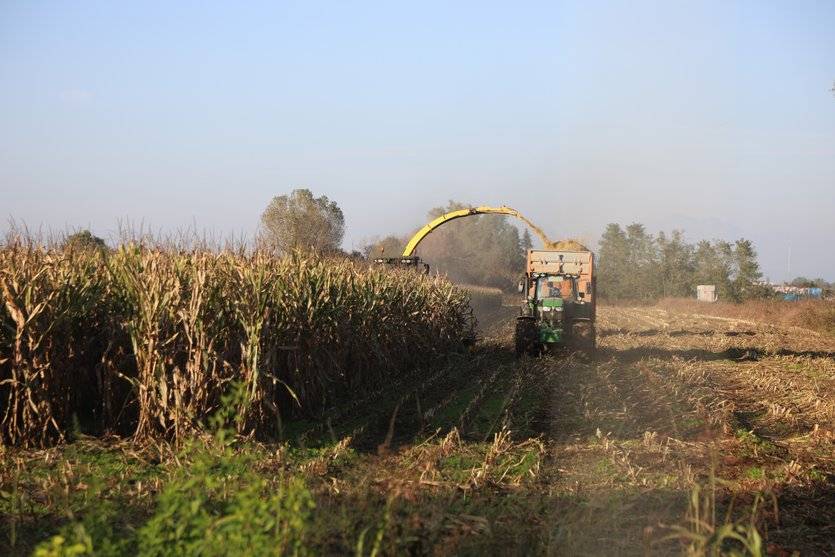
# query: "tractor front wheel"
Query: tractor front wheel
526,337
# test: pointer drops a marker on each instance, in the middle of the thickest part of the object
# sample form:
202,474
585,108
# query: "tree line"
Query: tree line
489,250
636,265
803,282
483,249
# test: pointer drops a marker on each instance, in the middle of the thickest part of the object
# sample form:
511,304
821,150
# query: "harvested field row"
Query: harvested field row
678,400
817,315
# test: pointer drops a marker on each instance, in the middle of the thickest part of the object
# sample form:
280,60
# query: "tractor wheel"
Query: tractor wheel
526,337
583,336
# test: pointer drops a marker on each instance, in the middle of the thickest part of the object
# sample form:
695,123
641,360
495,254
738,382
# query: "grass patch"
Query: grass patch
755,473
755,447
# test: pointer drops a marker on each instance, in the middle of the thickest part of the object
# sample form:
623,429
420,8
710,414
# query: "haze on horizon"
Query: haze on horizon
714,117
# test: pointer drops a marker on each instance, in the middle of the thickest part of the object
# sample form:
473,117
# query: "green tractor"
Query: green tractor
559,307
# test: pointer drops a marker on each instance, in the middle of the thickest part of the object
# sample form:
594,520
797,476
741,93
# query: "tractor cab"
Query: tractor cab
549,290
412,262
553,287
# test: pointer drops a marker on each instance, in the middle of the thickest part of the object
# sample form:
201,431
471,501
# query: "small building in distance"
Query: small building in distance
794,293
706,293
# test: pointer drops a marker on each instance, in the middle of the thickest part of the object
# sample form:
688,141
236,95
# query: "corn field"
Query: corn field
146,342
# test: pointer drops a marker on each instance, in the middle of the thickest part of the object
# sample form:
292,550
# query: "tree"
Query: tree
804,282
300,220
675,264
390,246
479,249
613,263
642,278
747,271
83,240
526,242
633,265
628,264
714,264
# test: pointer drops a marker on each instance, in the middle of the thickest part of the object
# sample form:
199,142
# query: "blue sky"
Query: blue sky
715,117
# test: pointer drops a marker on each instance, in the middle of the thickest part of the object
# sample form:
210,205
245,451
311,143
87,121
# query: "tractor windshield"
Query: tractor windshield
554,286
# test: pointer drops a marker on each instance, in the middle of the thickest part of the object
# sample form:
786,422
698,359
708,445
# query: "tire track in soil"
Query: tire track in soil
609,432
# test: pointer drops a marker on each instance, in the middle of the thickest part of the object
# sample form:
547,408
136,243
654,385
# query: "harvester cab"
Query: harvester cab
559,306
412,262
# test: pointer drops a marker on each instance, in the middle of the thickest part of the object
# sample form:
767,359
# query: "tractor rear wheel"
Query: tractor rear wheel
583,336
526,337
